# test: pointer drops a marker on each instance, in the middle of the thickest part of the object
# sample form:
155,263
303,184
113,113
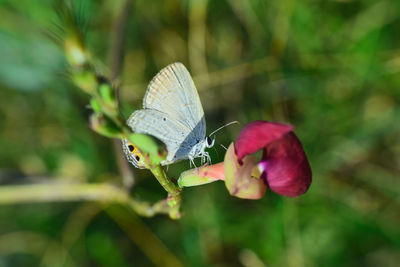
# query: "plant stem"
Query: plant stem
174,192
104,193
166,183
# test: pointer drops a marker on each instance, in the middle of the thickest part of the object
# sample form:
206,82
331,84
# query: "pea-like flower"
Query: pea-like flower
283,165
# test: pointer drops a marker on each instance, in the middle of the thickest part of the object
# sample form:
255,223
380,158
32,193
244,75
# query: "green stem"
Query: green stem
166,183
104,193
174,192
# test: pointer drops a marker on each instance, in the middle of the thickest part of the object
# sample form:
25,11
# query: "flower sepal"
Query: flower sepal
202,175
243,180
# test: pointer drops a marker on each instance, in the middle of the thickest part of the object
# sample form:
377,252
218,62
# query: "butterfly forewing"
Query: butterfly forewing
172,91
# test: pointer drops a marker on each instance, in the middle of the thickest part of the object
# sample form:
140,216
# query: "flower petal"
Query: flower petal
288,171
238,178
202,175
257,135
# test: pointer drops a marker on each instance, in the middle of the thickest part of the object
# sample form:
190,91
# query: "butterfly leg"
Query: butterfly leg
194,163
191,160
207,157
203,160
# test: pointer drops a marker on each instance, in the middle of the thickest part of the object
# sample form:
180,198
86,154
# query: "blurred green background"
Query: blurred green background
330,68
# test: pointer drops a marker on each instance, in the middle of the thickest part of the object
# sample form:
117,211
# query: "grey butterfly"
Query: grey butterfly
172,112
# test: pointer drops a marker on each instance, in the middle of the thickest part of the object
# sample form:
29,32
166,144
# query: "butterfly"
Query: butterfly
172,112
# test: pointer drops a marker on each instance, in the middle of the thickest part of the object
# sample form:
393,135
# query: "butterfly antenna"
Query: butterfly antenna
220,128
223,146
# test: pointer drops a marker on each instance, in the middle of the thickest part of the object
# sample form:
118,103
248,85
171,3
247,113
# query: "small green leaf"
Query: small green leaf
151,148
202,175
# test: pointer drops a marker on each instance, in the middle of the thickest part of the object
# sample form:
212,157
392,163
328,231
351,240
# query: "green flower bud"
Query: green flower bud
105,126
107,94
75,51
95,105
106,97
86,80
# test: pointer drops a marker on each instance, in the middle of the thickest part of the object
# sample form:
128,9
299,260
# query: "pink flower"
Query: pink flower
283,166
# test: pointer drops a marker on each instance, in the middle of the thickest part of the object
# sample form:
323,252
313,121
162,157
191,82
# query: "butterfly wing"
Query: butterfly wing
178,138
172,91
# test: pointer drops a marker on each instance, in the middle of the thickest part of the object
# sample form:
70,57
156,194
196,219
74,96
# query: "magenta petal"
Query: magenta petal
288,171
258,134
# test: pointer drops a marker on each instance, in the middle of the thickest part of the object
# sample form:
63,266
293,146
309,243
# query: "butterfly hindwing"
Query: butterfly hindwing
177,137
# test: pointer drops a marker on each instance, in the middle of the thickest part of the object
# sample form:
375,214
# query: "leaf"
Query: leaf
151,148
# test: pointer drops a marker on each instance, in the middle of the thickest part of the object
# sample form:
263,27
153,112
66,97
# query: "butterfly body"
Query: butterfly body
172,112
